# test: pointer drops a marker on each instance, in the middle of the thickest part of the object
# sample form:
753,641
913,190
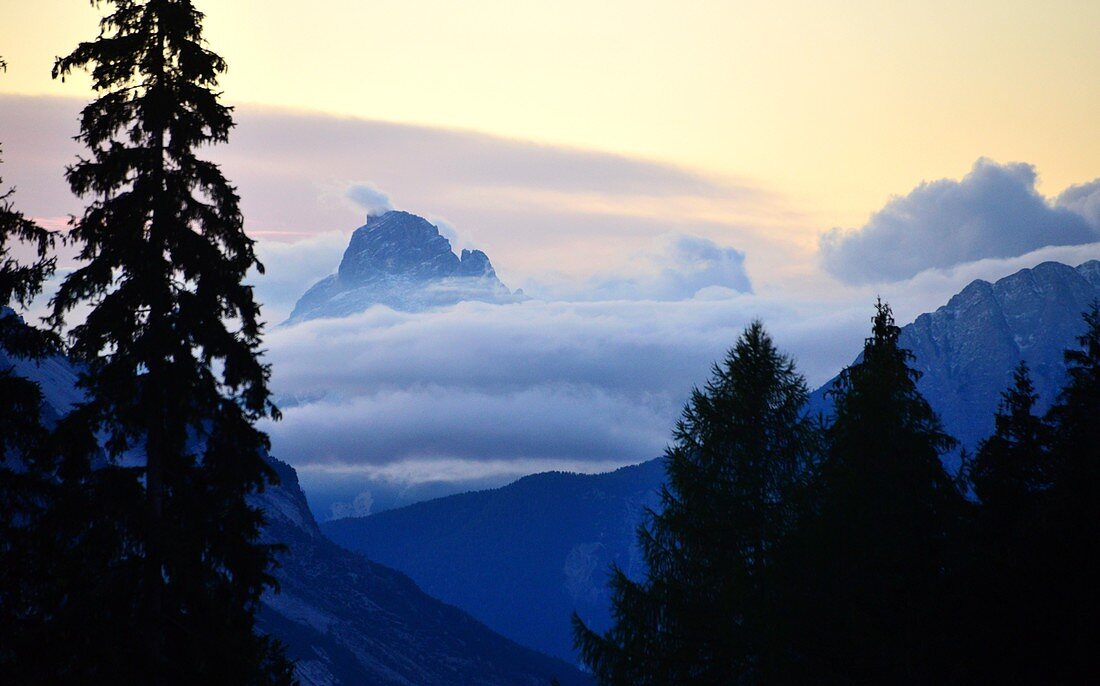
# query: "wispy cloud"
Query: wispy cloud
533,208
370,198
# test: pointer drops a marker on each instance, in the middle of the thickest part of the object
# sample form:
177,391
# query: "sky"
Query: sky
654,174
838,104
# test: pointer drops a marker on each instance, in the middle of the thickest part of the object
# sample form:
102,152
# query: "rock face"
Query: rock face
967,349
400,260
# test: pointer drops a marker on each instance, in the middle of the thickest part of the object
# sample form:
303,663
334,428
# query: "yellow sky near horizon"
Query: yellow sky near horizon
836,105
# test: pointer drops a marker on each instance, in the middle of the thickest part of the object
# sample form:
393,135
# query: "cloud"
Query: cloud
478,389
291,268
432,422
678,267
995,211
360,506
534,209
450,232
373,200
672,266
1083,199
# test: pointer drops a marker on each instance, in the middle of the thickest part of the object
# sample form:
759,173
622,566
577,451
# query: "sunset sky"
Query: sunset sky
837,105
654,174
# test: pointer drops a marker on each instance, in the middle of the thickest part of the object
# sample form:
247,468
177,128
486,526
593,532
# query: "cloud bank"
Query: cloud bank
995,211
676,267
477,389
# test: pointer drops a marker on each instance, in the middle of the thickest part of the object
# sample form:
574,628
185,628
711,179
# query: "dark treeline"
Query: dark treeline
795,549
129,552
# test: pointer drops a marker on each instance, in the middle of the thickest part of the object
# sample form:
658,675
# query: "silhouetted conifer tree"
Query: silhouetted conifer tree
703,608
868,565
1074,517
1004,594
169,355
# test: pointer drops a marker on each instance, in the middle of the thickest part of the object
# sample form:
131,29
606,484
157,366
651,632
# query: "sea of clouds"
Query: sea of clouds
641,276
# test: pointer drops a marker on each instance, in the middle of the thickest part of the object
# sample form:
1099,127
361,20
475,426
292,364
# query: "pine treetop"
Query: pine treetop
741,448
878,405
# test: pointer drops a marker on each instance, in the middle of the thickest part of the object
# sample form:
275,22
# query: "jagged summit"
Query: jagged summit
400,260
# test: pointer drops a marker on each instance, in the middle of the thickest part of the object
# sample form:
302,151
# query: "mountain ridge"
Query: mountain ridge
348,620
966,349
557,569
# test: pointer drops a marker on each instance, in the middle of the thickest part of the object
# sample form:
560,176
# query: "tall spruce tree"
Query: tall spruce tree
869,562
700,614
1004,592
169,353
1073,517
24,456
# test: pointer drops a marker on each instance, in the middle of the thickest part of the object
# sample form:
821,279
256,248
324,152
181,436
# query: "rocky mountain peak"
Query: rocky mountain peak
475,263
397,243
967,349
1091,271
400,260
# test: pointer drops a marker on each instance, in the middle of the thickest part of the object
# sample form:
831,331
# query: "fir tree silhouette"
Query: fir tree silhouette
1004,601
1012,465
868,566
740,449
1073,517
169,355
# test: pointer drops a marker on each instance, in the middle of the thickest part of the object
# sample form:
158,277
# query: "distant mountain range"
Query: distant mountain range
346,620
522,557
400,260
